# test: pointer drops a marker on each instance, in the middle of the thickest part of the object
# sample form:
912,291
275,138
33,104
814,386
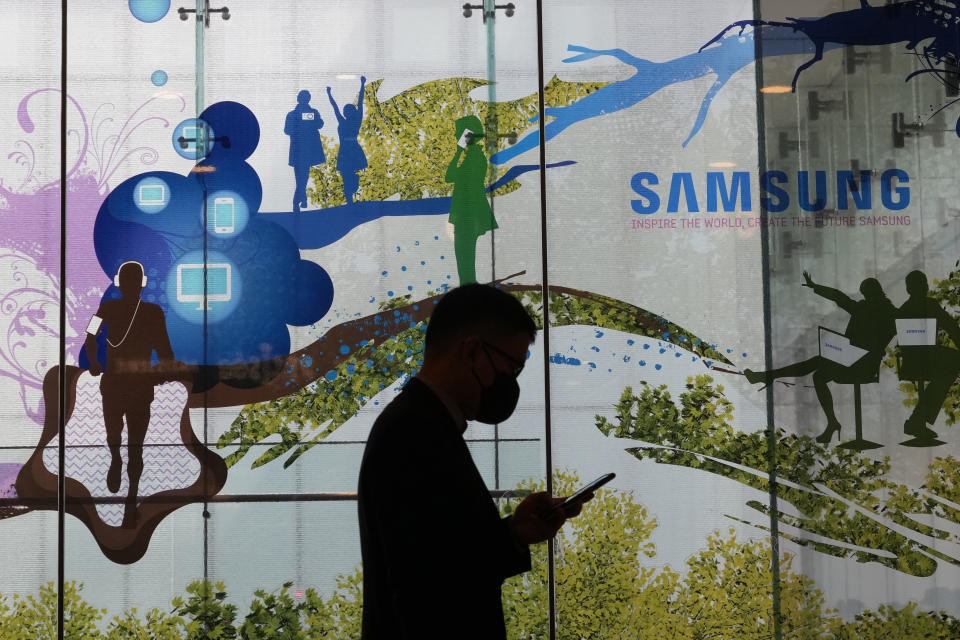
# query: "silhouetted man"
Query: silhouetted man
938,364
303,125
435,549
135,330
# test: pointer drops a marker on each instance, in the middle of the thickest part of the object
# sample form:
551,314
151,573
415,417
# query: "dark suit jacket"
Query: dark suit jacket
435,550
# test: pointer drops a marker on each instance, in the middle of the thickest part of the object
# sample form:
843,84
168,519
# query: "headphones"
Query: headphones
143,281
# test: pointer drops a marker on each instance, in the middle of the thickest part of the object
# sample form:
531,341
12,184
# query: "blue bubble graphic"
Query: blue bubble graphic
192,138
149,10
159,77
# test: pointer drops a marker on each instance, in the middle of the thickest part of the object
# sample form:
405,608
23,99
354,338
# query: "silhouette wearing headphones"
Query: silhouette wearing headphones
134,331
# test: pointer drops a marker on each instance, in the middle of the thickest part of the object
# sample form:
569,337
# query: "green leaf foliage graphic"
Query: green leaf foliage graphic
409,138
298,421
608,587
844,504
311,414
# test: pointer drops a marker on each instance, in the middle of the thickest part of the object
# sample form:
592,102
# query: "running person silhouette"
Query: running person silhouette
135,330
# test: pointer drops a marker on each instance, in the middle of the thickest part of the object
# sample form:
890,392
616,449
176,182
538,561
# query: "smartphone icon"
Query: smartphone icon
223,215
306,115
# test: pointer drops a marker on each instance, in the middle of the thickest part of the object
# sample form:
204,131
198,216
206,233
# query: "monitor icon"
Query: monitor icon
191,138
191,286
152,194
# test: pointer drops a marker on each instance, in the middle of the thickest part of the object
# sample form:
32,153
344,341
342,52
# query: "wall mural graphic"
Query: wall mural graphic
303,125
206,287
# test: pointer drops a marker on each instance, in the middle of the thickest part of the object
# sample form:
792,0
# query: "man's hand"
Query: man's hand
808,281
536,519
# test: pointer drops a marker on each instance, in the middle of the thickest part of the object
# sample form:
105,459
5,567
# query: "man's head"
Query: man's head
871,289
917,285
303,97
476,345
130,279
469,122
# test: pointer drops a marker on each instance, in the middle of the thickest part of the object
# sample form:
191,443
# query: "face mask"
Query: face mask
497,401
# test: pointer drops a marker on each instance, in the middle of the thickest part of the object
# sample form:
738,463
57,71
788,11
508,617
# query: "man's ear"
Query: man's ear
470,348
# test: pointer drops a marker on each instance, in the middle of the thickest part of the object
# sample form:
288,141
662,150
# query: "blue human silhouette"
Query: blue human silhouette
350,159
306,150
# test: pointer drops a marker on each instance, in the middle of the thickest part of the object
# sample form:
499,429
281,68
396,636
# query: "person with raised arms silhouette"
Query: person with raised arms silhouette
871,326
134,331
350,159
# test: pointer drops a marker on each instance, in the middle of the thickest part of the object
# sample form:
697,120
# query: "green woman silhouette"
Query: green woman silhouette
470,212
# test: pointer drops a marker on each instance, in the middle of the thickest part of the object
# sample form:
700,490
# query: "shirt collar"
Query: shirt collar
450,405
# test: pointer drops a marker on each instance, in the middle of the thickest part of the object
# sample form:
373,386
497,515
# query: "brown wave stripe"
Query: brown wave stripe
323,354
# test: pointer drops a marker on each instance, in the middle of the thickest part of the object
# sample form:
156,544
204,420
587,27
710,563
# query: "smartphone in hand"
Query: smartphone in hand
464,138
587,489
